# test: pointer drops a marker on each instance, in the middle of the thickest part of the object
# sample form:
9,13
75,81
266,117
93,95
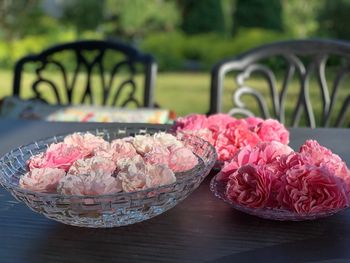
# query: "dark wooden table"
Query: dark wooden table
200,229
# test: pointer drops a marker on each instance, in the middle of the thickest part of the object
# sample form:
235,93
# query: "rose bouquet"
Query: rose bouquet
228,134
85,164
271,176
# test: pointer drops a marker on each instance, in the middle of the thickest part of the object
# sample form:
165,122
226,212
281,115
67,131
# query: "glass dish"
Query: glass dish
218,187
105,210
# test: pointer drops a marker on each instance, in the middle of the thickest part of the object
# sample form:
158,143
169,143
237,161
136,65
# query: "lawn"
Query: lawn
189,92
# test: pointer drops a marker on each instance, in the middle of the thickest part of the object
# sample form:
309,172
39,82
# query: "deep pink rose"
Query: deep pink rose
312,152
264,153
191,122
272,130
232,139
249,186
218,122
58,155
308,189
181,159
253,121
42,179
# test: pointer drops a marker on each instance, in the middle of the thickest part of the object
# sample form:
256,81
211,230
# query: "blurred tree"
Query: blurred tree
19,18
300,17
202,16
258,14
83,14
333,19
137,18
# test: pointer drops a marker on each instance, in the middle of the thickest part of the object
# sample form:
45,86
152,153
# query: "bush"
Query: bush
177,51
10,52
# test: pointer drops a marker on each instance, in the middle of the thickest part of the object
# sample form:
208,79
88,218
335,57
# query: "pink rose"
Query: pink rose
59,155
166,140
36,161
181,159
265,153
191,122
133,176
311,189
94,184
313,153
218,122
118,149
42,179
249,186
143,143
232,139
87,142
253,121
204,134
159,175
262,154
272,130
95,164
124,163
158,155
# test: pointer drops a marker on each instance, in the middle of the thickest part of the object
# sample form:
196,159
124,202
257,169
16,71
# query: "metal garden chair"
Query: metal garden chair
93,72
284,71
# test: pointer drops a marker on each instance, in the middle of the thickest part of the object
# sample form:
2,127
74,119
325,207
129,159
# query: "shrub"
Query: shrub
177,51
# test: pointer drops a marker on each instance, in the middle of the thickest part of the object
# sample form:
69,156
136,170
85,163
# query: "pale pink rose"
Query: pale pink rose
181,159
87,142
118,149
249,186
204,134
133,176
94,184
159,175
124,163
95,164
42,179
191,122
158,155
272,130
36,161
59,155
310,189
143,143
166,140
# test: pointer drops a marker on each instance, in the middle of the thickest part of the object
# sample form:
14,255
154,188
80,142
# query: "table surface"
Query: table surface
200,229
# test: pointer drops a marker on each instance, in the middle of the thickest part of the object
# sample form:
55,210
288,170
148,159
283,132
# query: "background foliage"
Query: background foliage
180,33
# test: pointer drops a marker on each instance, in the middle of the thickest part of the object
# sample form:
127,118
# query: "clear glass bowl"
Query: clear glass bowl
105,210
218,187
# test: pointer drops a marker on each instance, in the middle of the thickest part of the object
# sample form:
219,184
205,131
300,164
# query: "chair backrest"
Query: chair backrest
303,62
93,71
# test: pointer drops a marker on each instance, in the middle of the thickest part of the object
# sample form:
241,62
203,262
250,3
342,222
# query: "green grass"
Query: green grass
189,92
